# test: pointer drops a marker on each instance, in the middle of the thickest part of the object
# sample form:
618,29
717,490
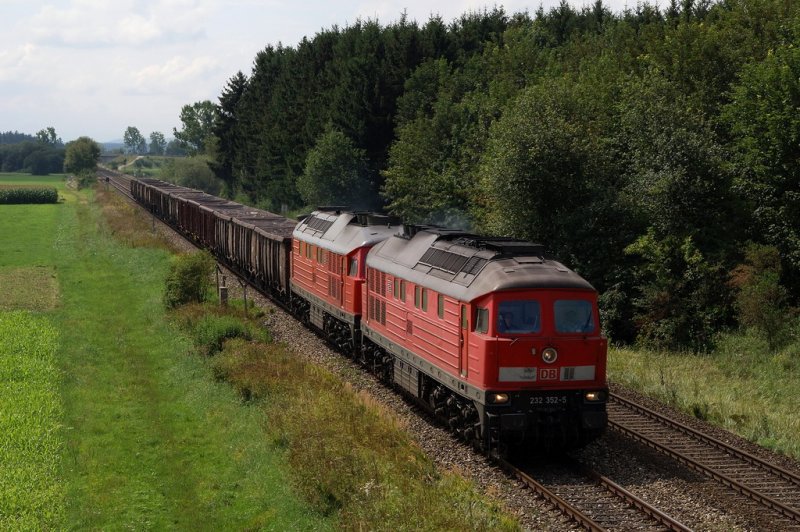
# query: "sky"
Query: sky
94,67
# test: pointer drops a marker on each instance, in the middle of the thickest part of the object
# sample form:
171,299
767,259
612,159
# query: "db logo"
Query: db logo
548,374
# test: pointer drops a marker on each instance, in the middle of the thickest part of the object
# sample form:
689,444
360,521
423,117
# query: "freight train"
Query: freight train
500,341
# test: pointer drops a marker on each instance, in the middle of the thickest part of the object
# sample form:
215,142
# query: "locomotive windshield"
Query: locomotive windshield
519,317
574,316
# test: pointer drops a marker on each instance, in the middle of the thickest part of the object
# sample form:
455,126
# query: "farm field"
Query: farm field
53,180
129,431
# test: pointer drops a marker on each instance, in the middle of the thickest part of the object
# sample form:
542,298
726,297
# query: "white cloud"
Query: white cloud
15,63
174,73
94,23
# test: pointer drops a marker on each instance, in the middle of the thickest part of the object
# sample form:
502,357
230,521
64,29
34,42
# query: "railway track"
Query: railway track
591,500
117,180
770,486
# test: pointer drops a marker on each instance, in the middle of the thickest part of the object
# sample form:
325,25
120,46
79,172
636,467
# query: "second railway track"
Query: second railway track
772,487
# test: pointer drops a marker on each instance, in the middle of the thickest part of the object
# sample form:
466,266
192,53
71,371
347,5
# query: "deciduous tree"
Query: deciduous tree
158,144
133,139
335,173
198,124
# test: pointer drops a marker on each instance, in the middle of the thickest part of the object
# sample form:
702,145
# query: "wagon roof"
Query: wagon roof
466,266
344,232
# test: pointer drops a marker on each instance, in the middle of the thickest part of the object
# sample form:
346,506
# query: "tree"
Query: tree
198,126
763,119
133,139
174,149
158,144
81,156
192,172
227,130
45,161
335,173
48,136
761,301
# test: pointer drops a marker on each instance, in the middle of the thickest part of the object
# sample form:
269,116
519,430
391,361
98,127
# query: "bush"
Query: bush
210,332
189,279
28,195
86,179
761,301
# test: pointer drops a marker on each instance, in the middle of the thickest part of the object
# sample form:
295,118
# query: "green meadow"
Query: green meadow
106,420
740,386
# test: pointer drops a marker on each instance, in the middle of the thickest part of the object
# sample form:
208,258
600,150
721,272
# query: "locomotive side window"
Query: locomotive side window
440,305
416,296
574,316
425,299
353,267
482,320
402,290
519,317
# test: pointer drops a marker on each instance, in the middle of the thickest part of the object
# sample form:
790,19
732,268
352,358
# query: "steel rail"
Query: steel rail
709,440
578,516
563,506
638,503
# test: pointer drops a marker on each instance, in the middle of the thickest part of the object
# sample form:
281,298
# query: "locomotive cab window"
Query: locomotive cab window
482,320
574,316
440,305
519,316
353,267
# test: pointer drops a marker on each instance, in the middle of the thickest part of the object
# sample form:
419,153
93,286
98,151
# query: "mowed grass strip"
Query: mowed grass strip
153,441
31,488
34,288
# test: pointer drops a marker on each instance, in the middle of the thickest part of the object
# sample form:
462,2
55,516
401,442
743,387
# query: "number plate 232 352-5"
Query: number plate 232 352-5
549,400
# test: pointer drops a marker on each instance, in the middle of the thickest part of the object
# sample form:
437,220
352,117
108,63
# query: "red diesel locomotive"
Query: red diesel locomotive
500,341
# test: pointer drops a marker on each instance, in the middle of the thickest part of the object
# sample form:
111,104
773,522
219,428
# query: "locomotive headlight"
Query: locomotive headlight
595,396
498,398
549,355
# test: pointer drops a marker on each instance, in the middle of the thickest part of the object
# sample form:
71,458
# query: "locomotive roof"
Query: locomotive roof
343,232
466,266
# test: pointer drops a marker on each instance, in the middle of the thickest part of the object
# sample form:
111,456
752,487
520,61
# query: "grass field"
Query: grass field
740,387
144,437
53,180
31,411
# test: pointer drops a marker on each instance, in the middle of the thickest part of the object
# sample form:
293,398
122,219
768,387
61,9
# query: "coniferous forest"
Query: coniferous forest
655,151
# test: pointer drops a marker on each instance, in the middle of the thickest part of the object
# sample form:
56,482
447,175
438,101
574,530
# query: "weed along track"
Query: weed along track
607,500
